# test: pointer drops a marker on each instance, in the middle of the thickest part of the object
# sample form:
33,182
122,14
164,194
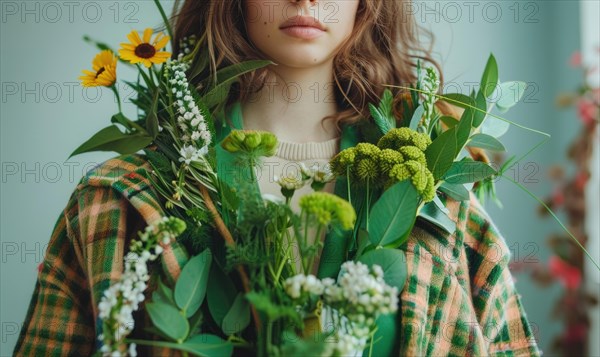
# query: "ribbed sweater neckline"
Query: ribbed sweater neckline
293,151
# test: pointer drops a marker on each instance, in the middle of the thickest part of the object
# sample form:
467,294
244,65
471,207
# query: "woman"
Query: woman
332,59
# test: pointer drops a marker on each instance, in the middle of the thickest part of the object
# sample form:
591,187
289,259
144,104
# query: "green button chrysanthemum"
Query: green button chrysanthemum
399,137
327,208
420,176
342,160
388,158
413,153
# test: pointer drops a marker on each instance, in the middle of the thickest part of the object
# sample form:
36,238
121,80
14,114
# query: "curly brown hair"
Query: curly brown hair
384,49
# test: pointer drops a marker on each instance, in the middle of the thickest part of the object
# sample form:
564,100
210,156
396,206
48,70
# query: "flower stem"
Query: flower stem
116,91
229,240
165,19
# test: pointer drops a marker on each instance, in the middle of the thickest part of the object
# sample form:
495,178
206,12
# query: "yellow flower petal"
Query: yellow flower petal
147,35
161,42
134,37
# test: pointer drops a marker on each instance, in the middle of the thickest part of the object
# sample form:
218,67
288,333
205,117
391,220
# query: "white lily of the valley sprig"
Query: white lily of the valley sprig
122,298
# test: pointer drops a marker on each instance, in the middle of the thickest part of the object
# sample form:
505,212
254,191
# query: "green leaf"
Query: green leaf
487,142
393,263
220,295
508,94
112,139
458,99
190,288
168,320
489,79
479,116
363,242
449,121
456,191
238,316
465,171
416,117
441,153
207,345
432,213
121,119
152,117
163,294
204,345
226,77
393,215
262,302
463,129
383,114
495,127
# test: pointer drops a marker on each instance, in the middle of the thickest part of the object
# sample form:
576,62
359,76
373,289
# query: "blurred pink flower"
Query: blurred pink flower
569,275
575,60
587,111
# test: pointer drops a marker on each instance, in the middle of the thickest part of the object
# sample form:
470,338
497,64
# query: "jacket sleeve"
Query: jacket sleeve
495,297
84,255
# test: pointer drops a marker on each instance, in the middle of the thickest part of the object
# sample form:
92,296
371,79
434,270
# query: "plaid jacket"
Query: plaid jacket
459,298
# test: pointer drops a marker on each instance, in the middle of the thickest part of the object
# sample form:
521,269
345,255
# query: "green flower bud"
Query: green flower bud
269,143
327,207
252,140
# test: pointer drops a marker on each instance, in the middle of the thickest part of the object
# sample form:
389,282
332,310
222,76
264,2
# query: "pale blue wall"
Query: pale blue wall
41,125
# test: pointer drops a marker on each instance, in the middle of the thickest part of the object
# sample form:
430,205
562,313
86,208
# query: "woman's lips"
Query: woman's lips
303,32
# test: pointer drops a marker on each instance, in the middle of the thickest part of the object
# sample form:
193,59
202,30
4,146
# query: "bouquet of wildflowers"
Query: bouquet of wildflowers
248,282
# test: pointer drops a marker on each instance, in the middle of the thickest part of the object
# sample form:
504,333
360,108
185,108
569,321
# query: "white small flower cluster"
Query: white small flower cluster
358,297
196,135
122,298
301,284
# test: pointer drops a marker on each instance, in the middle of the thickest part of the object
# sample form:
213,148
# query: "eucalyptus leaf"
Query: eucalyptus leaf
465,171
487,142
495,127
393,263
190,288
432,213
208,346
508,94
479,115
203,345
238,317
463,129
393,215
456,191
449,121
220,295
112,139
458,99
416,117
441,153
168,320
163,294
489,79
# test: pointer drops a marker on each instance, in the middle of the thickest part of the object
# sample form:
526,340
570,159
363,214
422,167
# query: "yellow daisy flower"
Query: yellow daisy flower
142,51
104,71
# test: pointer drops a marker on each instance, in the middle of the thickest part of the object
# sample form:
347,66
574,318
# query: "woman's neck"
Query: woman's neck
294,114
